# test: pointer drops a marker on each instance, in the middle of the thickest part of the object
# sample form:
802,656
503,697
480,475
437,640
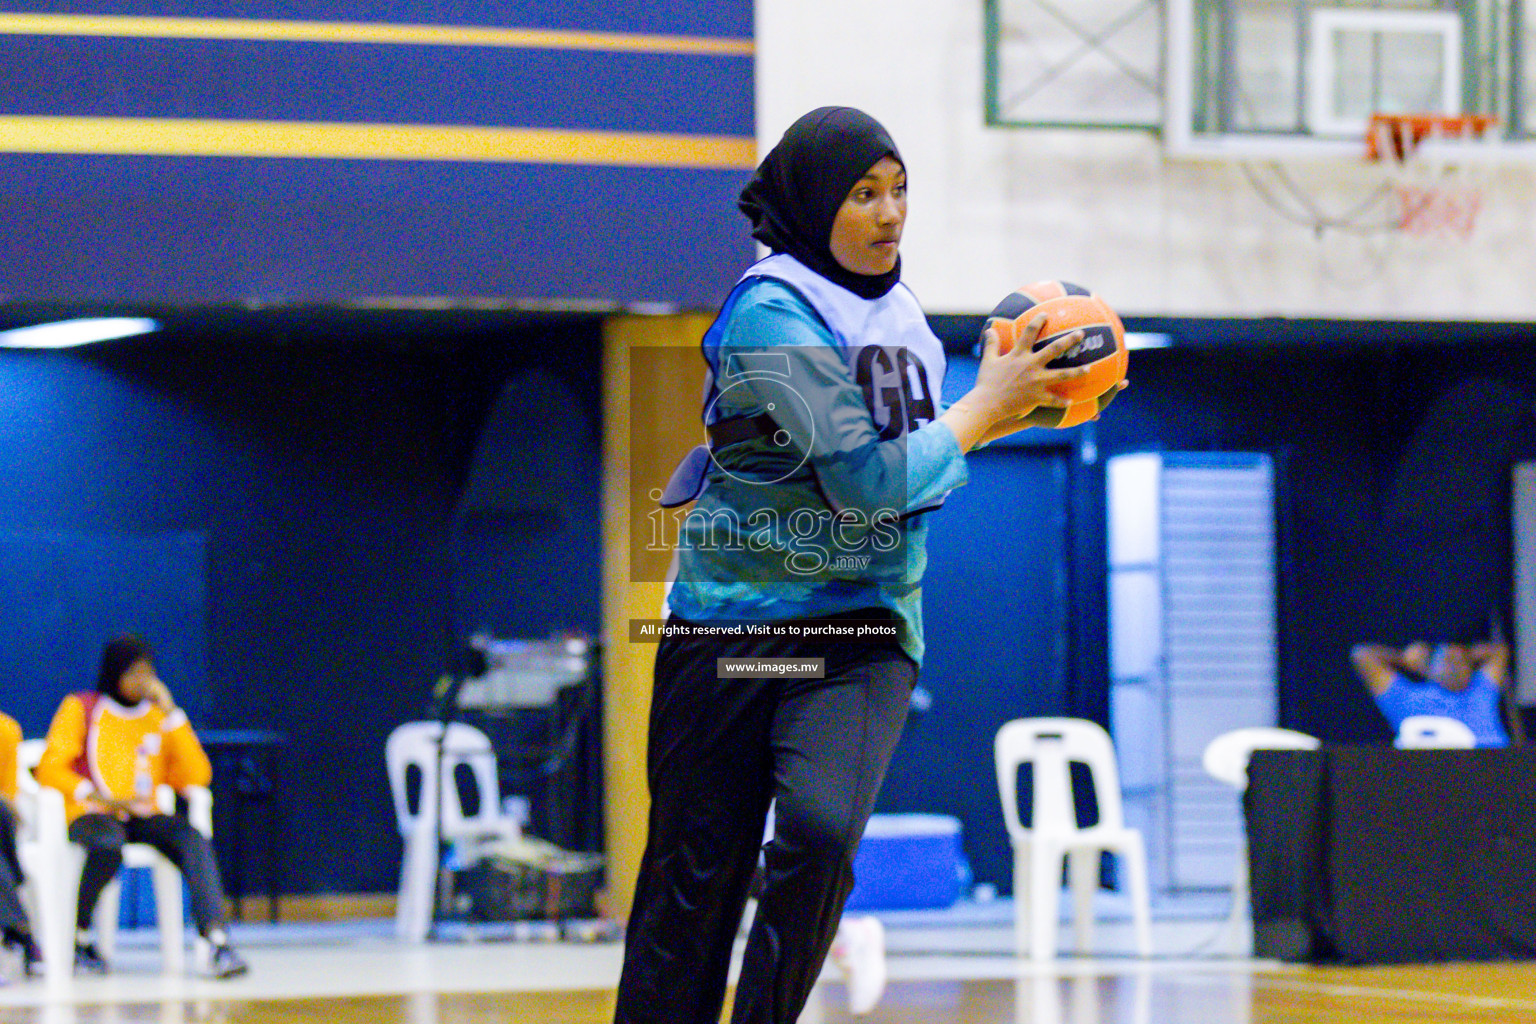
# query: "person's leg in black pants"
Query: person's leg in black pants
15,929
103,837
13,917
192,853
719,751
710,782
832,743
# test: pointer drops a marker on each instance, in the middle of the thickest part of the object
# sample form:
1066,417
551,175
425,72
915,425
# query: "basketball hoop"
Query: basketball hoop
1430,161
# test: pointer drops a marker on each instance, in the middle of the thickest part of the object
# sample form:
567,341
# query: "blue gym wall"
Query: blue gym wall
1319,413
1392,443
282,526
352,501
338,502
191,207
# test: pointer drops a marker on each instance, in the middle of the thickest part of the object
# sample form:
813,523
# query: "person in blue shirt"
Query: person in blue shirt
1448,680
829,451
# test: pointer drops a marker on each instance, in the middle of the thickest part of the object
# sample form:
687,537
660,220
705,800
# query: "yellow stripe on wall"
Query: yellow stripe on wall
139,136
363,32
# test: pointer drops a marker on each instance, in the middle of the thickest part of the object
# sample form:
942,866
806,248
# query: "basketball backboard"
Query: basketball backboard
1262,79
1075,63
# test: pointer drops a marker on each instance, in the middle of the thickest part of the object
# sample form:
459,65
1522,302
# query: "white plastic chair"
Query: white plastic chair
52,865
439,813
1050,745
1434,731
1226,760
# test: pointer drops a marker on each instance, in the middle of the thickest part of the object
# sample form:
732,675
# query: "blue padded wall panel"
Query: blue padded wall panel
174,206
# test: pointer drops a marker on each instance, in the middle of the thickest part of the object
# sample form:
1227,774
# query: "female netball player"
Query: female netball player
829,447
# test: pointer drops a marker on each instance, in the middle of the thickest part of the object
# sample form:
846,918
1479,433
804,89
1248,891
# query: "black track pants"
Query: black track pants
103,837
13,918
719,751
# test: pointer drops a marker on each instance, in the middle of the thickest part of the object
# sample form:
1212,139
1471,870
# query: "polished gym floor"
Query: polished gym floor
942,972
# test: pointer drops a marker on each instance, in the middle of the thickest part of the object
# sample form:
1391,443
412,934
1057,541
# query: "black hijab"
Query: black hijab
116,657
797,190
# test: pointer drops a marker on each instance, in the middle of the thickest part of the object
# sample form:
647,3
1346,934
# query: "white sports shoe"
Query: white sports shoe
859,951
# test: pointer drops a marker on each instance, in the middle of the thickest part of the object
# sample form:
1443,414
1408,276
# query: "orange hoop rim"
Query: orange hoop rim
1404,132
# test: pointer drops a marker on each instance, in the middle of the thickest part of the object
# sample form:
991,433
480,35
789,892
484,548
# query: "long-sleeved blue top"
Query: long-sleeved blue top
816,517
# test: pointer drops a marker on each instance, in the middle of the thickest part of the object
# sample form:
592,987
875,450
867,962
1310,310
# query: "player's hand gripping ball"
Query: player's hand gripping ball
1068,307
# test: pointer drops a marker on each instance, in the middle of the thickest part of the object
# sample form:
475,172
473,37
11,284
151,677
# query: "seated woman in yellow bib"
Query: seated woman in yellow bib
107,751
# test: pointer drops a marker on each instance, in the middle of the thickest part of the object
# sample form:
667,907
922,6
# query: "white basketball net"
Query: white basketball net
1437,168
